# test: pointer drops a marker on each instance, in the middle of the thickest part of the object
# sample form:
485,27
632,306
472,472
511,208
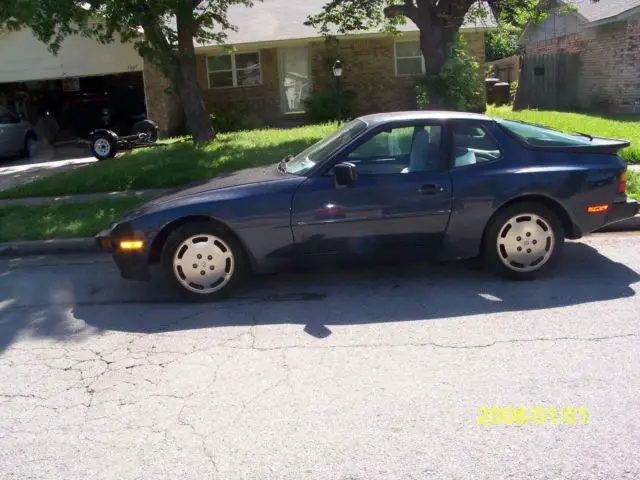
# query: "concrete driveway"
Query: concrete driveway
45,162
357,374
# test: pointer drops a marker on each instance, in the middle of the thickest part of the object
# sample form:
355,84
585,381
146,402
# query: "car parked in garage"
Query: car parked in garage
415,184
17,136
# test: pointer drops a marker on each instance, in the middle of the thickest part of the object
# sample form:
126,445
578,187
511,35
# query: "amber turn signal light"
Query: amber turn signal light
131,244
597,208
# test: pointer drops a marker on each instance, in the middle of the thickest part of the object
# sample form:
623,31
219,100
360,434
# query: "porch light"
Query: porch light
337,69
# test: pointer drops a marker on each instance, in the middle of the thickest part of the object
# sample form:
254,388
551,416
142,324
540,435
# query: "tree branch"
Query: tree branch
408,9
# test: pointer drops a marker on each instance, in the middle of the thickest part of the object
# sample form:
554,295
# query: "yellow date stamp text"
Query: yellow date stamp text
532,416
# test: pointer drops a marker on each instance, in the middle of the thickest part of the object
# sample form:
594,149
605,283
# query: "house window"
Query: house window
409,59
234,70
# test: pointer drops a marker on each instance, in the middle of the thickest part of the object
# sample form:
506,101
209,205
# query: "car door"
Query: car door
401,198
11,132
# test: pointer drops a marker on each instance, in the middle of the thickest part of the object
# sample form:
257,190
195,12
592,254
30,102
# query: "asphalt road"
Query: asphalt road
346,375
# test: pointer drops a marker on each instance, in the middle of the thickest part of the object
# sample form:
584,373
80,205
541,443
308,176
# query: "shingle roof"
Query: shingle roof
595,11
284,20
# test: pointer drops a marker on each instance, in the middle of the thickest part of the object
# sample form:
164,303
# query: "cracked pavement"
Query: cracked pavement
355,374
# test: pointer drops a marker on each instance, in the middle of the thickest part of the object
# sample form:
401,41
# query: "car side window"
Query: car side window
399,150
6,117
472,145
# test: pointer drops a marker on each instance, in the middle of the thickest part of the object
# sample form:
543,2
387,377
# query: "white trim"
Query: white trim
291,42
396,58
233,69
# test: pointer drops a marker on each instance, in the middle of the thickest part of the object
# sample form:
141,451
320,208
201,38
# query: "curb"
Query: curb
629,225
50,247
33,201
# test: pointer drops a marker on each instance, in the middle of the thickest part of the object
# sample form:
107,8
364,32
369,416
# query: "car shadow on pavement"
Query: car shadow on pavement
85,305
381,294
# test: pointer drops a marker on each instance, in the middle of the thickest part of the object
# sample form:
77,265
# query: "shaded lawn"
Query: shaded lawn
625,127
176,163
61,220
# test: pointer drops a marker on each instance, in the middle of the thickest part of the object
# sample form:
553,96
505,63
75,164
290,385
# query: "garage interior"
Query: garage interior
69,109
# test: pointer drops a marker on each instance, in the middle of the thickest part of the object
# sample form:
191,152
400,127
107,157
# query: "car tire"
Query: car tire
104,145
203,261
523,241
29,147
148,127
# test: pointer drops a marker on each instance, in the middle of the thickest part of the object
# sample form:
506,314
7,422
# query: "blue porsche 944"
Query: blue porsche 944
444,185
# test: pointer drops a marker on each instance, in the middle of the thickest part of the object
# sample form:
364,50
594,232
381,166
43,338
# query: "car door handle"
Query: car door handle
431,189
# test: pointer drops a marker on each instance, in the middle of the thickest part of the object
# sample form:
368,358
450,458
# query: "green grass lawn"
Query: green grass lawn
62,220
623,127
176,163
633,185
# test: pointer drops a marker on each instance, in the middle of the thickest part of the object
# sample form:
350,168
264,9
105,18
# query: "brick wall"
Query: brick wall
609,78
261,100
369,70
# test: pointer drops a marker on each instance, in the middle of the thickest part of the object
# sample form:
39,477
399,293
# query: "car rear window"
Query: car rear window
539,136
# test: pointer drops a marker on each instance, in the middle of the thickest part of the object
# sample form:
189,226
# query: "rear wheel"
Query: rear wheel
524,241
203,261
147,127
29,148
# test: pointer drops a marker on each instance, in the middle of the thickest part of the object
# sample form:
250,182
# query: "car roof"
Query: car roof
410,115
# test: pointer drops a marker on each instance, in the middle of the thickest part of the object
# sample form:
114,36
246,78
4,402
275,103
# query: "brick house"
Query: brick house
277,61
606,38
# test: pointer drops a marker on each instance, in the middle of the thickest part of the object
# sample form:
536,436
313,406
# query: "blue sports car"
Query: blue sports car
419,184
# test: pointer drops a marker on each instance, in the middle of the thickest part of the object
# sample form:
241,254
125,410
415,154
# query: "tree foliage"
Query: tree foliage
162,31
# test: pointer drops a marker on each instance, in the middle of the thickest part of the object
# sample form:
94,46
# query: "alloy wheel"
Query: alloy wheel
203,263
525,242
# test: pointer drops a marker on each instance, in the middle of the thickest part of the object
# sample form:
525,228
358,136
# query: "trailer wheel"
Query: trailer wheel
148,127
104,145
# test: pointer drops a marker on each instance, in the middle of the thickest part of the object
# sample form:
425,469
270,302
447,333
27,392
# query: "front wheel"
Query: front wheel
203,261
104,145
524,241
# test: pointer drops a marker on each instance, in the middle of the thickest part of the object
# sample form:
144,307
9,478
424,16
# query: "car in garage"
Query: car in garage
17,136
420,184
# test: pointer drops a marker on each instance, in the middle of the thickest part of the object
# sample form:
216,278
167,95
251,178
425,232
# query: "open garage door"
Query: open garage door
24,58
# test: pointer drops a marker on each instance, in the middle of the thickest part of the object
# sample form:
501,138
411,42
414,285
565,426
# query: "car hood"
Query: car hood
202,188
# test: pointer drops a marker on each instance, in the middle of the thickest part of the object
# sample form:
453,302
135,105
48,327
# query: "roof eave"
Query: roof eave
615,18
319,38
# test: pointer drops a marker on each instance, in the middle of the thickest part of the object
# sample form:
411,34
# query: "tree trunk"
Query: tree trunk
435,40
195,112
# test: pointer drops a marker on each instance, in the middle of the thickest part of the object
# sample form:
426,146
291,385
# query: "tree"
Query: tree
438,21
163,31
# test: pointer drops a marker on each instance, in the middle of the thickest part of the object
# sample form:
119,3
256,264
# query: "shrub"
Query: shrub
224,121
458,84
322,106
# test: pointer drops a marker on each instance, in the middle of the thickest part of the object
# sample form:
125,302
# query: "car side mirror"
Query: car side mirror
344,174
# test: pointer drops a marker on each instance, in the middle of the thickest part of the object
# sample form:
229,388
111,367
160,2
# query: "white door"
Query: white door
295,78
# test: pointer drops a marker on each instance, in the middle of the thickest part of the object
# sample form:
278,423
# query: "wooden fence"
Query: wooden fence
549,82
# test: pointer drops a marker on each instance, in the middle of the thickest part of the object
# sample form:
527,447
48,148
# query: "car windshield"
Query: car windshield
543,136
317,152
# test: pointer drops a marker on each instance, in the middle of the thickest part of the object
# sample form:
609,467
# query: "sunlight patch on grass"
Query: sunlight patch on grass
623,127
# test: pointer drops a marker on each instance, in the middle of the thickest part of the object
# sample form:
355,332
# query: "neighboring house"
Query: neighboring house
278,60
605,38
